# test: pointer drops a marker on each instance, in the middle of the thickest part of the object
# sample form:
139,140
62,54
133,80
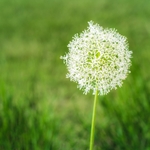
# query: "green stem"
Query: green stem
93,121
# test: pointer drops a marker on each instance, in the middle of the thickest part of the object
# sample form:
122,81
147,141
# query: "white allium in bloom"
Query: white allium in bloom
98,59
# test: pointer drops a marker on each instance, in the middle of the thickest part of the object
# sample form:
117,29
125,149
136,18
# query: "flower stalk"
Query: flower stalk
93,122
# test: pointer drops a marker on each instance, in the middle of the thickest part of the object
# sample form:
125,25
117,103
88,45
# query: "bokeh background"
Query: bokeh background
42,110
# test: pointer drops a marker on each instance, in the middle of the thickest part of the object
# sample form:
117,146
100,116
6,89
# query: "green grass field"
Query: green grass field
42,110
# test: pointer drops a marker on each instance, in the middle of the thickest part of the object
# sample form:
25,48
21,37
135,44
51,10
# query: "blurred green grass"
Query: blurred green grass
39,107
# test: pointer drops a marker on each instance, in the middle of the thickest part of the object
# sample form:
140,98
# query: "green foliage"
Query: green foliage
39,107
27,124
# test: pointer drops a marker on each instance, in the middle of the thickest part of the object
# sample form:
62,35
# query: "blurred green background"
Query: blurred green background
42,110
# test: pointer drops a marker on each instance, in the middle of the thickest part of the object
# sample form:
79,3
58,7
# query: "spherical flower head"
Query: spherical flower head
98,59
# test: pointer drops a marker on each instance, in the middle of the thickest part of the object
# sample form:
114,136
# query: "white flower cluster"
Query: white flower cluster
98,59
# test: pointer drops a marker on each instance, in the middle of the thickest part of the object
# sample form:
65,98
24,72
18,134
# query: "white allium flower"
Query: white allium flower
98,59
